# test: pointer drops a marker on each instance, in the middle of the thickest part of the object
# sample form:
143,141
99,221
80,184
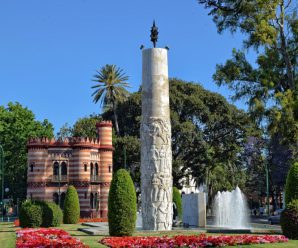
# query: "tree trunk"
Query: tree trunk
283,49
115,118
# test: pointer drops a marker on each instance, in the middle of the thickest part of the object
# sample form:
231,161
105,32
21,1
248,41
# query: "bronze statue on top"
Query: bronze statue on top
154,34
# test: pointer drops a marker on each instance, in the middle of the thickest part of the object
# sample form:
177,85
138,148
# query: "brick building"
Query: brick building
84,163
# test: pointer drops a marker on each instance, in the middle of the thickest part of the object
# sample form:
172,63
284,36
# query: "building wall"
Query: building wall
80,156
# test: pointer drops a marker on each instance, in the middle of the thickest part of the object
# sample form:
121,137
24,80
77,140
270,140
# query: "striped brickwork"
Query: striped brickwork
87,165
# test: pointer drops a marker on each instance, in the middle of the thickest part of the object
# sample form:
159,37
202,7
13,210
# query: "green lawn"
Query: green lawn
7,237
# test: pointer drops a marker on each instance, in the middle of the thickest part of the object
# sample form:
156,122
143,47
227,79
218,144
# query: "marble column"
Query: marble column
156,151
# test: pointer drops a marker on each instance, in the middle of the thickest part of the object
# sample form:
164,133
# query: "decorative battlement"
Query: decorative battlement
76,142
67,142
104,124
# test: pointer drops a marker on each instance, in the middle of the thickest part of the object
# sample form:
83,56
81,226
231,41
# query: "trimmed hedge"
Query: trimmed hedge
71,210
292,184
122,205
289,220
30,215
178,201
52,215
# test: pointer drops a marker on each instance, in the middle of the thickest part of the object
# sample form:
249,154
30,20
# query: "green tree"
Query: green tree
291,189
271,85
71,210
207,133
86,126
122,205
17,125
178,201
64,132
110,88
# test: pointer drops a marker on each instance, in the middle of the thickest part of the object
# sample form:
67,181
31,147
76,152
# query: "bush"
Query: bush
30,215
71,210
178,201
52,215
289,220
122,206
292,183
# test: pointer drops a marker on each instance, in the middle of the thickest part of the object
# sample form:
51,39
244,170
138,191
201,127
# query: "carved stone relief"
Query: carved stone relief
157,181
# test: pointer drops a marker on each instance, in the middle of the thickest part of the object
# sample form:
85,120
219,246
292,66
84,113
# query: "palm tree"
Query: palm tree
110,88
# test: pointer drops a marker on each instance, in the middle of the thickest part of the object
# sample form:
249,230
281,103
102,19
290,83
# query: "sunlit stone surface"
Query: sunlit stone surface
156,153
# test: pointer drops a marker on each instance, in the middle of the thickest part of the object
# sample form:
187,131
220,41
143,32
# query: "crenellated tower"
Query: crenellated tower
106,162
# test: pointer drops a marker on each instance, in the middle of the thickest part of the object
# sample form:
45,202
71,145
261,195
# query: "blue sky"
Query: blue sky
49,50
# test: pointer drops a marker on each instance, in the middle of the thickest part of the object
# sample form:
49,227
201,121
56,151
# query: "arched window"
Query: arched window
110,168
91,169
56,198
91,201
96,201
56,169
62,198
63,168
85,167
96,169
31,167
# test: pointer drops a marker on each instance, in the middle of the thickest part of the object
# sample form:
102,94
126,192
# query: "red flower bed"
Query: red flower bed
201,240
93,220
46,238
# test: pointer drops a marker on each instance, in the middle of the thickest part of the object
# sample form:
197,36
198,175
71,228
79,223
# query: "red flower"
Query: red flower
201,240
93,220
47,238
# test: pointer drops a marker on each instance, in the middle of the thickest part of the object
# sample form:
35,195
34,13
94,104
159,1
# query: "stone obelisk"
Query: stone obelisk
156,151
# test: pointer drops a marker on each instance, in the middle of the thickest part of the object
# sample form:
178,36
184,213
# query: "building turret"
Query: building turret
104,129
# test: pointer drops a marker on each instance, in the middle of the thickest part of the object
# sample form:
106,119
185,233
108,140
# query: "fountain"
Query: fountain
231,210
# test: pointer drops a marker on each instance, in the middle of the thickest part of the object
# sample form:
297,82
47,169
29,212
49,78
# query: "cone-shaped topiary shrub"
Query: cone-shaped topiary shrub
178,201
30,215
292,184
71,211
122,206
289,220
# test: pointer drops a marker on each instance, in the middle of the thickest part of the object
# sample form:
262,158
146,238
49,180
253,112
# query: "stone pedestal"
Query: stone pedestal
156,151
194,209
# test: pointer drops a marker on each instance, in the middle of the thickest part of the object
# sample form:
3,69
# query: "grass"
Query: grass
7,237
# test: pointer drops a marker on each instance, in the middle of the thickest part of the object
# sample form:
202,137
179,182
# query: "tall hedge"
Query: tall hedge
178,201
122,205
71,210
30,215
289,220
292,184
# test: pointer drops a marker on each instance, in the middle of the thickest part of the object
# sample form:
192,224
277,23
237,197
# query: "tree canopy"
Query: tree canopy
208,136
110,88
17,125
270,86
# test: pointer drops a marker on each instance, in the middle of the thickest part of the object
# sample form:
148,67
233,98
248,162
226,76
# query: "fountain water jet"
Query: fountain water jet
231,210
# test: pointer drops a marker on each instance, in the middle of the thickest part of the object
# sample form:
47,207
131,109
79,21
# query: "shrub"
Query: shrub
178,201
71,210
292,184
30,215
122,207
289,220
52,215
